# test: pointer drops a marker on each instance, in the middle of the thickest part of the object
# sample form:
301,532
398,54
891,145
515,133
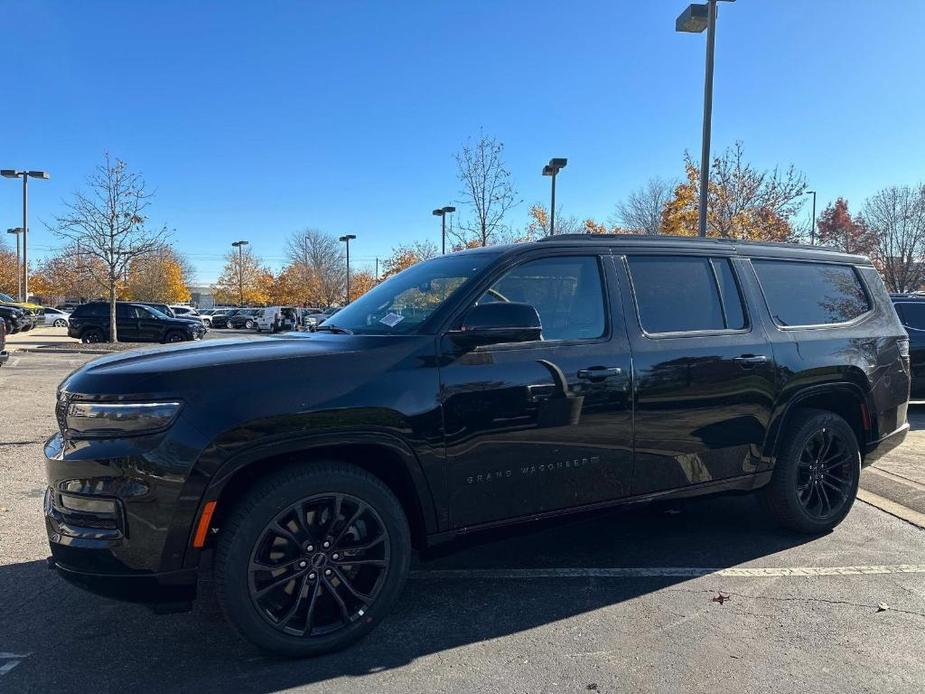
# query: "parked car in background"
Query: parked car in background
4,355
32,311
911,311
485,388
55,317
274,319
14,319
245,318
320,317
68,306
163,308
220,317
135,322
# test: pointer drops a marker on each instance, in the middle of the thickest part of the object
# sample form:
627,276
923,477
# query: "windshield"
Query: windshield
7,297
401,303
157,314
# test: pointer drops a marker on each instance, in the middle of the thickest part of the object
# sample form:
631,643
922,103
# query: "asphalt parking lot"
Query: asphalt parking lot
708,598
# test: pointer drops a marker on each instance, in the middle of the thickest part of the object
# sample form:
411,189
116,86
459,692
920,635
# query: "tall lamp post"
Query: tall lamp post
347,238
442,213
694,20
552,169
17,231
25,176
812,229
240,246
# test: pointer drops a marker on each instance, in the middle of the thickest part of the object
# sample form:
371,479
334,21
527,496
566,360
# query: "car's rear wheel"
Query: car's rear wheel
312,559
60,323
816,475
92,335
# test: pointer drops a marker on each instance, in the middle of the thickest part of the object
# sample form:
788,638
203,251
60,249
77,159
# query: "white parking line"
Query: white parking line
674,572
12,660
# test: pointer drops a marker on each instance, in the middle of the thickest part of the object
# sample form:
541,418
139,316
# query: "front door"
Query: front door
704,370
539,426
150,326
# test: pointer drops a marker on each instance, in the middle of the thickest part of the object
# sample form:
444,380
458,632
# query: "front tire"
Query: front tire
312,559
60,323
815,479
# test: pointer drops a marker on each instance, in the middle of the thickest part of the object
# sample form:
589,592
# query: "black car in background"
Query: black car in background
222,317
911,310
135,322
494,386
15,319
244,318
4,355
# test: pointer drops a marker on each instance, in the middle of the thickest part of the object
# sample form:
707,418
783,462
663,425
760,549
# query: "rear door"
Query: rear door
703,369
127,323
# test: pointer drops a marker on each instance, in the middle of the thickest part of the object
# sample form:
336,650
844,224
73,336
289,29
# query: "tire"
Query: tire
314,578
60,323
249,324
174,336
92,335
805,494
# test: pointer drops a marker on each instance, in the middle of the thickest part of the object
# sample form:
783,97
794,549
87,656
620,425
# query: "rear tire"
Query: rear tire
60,323
92,336
314,600
815,479
174,336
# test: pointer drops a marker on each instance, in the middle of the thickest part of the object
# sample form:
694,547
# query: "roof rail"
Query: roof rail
669,238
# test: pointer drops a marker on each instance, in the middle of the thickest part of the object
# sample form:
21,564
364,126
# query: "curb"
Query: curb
898,510
40,350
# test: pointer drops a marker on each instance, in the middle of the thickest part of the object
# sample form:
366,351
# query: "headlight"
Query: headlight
100,419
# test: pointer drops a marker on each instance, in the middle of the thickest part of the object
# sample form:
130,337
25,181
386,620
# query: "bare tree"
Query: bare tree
642,210
319,259
487,190
897,216
108,222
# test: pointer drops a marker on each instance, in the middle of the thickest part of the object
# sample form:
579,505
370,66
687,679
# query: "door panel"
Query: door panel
545,425
126,323
703,397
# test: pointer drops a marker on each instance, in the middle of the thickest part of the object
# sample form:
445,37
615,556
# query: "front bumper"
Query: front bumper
875,450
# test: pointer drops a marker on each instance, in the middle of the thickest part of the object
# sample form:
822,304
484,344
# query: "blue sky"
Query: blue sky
254,119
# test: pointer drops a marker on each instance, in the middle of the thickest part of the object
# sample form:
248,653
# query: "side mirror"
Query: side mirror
495,323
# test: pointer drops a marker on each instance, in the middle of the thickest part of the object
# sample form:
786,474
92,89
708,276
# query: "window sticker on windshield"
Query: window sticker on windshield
391,319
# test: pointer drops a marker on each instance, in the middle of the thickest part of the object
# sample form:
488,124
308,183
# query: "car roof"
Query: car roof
691,244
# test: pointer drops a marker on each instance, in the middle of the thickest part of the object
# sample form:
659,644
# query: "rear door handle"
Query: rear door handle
751,359
599,373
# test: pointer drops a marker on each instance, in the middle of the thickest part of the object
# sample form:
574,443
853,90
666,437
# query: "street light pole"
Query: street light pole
694,20
812,229
17,231
442,213
240,246
25,176
552,169
346,239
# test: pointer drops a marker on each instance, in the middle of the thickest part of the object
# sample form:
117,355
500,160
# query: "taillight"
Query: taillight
903,344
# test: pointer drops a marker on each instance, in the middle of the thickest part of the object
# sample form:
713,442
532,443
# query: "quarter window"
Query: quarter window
566,292
811,293
684,294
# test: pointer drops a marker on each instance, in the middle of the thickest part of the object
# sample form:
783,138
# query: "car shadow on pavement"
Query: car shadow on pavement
94,643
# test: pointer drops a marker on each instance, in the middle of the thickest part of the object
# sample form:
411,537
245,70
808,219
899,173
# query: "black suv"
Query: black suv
135,322
478,389
911,310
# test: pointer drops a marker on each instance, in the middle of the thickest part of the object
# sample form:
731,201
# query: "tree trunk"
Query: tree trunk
113,337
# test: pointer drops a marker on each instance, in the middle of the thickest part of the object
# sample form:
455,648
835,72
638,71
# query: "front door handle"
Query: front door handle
599,373
747,360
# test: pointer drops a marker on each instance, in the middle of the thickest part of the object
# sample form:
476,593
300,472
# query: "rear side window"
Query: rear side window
811,293
912,314
683,294
91,310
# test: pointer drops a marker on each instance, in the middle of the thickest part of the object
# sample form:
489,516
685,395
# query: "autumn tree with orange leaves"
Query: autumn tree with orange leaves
743,202
408,254
838,228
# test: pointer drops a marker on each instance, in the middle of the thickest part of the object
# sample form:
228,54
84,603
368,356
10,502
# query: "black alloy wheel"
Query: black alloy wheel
92,336
816,473
174,336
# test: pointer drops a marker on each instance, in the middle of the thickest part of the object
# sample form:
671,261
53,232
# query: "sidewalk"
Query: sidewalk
39,337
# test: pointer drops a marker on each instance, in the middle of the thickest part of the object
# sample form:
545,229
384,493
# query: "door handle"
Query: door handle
751,359
599,373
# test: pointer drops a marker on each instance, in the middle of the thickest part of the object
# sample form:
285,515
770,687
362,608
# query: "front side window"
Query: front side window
567,293
686,293
801,293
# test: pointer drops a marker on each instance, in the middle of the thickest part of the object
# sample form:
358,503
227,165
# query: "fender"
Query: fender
782,409
262,450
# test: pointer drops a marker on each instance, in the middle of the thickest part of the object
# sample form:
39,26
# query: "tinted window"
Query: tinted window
566,292
912,314
811,293
92,310
681,294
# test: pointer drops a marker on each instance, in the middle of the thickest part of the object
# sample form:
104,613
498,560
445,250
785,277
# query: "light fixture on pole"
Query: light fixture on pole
694,20
442,213
17,231
812,229
25,176
347,238
240,246
552,169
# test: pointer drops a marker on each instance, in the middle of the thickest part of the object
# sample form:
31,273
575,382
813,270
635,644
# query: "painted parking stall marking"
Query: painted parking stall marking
674,572
8,661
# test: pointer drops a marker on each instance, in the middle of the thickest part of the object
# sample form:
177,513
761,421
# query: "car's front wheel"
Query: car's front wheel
312,559
60,323
816,475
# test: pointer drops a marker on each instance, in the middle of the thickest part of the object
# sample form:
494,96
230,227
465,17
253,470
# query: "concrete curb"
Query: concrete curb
898,510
